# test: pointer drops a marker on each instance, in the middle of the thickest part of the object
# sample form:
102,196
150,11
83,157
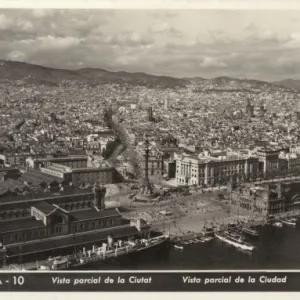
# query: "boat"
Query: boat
178,247
238,243
290,221
185,242
234,235
104,253
205,239
189,242
270,218
277,224
232,226
250,231
200,240
208,231
58,263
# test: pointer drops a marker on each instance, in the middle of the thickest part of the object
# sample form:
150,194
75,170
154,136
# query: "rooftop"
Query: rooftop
5,169
11,184
57,167
79,170
36,177
79,240
64,158
45,196
44,207
20,224
88,214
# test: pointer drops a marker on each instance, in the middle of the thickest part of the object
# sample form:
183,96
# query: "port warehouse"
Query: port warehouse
13,206
38,250
50,226
62,235
58,222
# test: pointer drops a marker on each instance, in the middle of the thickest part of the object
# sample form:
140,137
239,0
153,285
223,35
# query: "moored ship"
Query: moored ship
289,221
277,224
234,240
105,253
251,231
208,231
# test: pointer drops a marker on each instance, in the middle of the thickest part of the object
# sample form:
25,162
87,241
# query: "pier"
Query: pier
258,221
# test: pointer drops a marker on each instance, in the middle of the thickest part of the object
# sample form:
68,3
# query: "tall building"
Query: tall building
262,111
108,113
249,109
269,159
166,104
155,165
150,114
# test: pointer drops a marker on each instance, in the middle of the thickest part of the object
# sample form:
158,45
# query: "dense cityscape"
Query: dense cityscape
98,165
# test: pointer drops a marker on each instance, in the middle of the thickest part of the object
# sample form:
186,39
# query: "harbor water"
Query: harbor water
276,248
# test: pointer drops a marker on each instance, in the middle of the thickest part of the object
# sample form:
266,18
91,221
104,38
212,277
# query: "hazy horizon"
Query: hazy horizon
262,45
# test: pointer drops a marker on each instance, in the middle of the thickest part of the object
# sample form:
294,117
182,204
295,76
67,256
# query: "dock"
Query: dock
257,222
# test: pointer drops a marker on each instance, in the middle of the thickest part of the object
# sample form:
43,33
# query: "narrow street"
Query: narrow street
118,151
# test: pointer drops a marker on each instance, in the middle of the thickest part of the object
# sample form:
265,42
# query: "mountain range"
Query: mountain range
289,83
14,70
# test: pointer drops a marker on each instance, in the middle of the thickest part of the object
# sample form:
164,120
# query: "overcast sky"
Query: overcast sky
254,44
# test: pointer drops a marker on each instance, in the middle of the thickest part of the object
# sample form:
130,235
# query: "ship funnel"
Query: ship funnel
138,224
110,241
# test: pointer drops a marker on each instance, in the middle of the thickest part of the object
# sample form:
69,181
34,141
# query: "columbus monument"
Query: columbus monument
146,192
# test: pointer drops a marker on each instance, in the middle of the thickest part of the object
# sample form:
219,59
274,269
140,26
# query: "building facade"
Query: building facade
19,159
82,176
74,162
289,161
155,165
52,229
269,159
195,170
58,170
267,199
102,175
37,214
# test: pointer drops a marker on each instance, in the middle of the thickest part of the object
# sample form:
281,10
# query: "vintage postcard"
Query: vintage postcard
150,148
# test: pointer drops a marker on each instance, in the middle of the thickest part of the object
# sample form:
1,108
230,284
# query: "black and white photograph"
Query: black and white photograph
150,139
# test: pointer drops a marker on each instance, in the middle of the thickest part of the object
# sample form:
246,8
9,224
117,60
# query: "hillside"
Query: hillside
225,83
289,83
196,79
12,70
250,83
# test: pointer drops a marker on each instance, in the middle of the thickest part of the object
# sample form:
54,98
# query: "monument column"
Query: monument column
146,192
146,159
